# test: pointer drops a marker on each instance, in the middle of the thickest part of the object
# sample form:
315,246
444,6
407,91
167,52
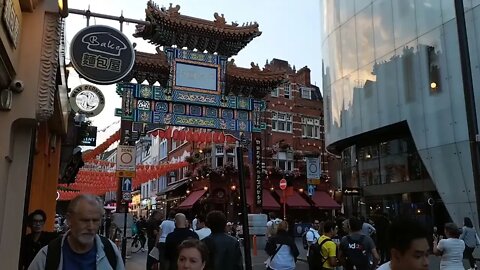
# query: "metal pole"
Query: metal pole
469,95
284,204
124,240
243,201
89,14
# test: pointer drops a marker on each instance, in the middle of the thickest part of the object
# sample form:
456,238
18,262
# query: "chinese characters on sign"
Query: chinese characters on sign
102,54
258,171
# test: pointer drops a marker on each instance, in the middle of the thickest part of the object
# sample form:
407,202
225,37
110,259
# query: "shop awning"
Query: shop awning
173,186
295,201
323,201
268,202
191,199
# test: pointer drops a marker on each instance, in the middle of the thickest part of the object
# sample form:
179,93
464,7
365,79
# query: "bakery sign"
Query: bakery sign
102,54
87,99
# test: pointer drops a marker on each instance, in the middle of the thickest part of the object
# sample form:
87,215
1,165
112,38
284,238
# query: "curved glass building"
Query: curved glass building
394,104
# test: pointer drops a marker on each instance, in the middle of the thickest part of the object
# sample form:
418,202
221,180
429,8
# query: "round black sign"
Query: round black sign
102,54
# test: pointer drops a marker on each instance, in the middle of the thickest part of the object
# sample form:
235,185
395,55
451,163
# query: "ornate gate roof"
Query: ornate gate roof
170,28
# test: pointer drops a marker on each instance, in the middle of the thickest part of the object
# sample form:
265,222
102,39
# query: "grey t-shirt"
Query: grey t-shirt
367,243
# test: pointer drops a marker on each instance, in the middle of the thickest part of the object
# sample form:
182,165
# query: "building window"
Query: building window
284,161
282,122
219,155
306,92
286,91
310,128
274,92
163,149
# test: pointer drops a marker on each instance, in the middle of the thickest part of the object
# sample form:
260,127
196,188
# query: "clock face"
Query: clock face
87,101
220,194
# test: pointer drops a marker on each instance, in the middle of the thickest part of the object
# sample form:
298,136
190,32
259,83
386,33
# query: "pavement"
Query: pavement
137,261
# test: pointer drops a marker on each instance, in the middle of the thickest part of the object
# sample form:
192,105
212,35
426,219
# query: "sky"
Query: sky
290,31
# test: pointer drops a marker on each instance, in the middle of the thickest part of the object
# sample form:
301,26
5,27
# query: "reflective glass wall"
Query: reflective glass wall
387,61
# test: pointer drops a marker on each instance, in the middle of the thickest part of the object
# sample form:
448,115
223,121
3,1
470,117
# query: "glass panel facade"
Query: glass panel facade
395,61
386,162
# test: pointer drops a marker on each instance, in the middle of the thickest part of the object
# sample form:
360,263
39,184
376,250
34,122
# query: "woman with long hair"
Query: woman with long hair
281,249
450,249
192,255
469,236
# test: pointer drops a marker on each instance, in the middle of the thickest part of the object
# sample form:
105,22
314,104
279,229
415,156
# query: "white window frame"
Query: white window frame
163,149
284,161
313,124
287,91
274,92
306,92
286,119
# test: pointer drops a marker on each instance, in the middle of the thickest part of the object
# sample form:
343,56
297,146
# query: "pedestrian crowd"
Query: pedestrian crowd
211,243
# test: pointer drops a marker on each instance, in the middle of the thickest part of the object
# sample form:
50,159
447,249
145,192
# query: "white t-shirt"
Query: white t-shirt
452,257
167,227
385,266
194,224
203,232
312,236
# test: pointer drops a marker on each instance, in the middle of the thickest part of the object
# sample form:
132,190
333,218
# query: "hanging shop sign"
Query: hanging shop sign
102,54
89,136
87,99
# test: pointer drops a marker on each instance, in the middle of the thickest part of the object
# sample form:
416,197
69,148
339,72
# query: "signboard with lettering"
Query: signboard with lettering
126,155
87,99
313,168
257,150
101,54
89,136
352,191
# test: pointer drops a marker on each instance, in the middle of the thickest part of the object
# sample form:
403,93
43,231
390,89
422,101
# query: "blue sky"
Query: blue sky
290,31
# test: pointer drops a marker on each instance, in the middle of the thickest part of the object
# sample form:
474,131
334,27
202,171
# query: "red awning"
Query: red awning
268,202
295,201
191,199
323,201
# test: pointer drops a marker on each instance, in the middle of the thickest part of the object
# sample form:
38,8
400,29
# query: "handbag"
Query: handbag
269,259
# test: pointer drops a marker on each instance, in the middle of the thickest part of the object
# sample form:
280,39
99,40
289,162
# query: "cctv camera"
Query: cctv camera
17,86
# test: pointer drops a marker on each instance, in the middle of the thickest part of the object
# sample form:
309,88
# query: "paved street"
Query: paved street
138,260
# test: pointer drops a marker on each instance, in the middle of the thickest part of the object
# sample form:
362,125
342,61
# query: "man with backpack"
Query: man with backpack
81,247
323,253
357,250
309,238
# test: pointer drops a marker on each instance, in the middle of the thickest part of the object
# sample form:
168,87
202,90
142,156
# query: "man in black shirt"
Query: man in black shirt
33,242
152,225
175,238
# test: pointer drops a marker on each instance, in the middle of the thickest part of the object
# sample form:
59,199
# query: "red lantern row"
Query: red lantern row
100,182
193,136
